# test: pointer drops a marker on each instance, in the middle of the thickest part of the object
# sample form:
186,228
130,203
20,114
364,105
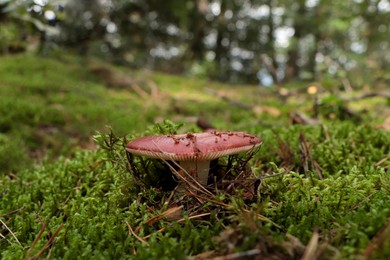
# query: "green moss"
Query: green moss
13,155
90,198
339,189
52,105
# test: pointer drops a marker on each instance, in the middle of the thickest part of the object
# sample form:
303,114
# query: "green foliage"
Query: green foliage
93,198
13,154
168,127
83,202
352,190
63,105
8,36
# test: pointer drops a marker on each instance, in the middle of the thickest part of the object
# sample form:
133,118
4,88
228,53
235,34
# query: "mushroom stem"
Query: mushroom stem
197,169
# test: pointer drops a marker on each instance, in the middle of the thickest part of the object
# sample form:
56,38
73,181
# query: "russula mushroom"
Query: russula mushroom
194,151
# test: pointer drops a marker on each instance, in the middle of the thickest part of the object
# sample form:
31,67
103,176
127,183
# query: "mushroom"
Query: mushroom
194,151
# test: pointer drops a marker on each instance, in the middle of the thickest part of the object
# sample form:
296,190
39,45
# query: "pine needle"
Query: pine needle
131,231
3,237
36,240
311,248
12,233
49,242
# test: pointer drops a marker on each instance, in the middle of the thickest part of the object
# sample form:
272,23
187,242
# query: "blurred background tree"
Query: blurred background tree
341,44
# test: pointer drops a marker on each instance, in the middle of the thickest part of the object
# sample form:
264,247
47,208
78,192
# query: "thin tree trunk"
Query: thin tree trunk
292,68
270,45
197,27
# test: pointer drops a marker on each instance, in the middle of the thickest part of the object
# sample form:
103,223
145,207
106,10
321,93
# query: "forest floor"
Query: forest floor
318,188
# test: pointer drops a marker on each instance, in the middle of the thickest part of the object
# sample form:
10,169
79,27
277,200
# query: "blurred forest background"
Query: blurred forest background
310,77
339,44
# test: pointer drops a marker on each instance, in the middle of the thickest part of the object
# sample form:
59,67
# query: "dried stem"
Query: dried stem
49,242
12,233
131,231
43,227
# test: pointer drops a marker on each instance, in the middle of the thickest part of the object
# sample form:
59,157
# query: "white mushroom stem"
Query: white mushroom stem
197,169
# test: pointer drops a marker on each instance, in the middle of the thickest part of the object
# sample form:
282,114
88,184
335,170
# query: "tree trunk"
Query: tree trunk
292,67
198,27
270,45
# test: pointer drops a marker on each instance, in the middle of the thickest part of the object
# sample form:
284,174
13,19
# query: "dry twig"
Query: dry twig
228,99
382,161
188,179
3,237
131,231
12,233
311,248
305,153
239,255
361,202
12,212
368,95
44,225
178,221
378,239
157,218
302,119
49,242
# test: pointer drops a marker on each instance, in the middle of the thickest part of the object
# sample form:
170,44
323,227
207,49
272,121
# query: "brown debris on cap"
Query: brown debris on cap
193,146
194,151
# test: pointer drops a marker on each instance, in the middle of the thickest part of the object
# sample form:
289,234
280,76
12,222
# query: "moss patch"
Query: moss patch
327,183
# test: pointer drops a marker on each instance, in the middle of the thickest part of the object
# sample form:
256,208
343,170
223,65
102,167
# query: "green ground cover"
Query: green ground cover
66,190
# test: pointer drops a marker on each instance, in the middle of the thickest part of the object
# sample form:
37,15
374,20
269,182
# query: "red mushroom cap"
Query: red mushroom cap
197,146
